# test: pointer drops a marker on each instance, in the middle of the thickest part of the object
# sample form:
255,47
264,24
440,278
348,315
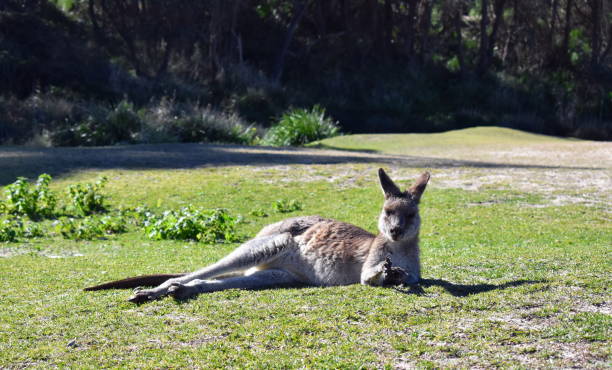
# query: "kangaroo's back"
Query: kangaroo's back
294,226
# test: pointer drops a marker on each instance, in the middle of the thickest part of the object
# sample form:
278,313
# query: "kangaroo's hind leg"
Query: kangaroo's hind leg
263,279
255,252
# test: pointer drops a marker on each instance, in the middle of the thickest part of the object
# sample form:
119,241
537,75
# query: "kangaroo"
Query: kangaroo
309,250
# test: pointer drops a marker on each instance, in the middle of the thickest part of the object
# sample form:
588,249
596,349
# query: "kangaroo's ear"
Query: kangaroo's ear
388,186
418,188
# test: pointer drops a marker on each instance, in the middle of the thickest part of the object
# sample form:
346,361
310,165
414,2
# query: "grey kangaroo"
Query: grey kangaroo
309,250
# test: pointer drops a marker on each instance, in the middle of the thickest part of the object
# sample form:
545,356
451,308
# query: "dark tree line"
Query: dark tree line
543,65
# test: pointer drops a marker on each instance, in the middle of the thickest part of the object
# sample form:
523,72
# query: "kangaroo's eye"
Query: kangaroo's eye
388,213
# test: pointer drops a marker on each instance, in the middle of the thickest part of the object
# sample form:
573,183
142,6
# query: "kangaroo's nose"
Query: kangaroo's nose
395,230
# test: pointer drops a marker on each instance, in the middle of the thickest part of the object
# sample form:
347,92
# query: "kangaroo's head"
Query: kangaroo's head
399,219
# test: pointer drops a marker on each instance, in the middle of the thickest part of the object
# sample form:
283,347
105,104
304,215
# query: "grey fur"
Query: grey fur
313,250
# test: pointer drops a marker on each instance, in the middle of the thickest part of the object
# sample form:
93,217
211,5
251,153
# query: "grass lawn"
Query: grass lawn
516,257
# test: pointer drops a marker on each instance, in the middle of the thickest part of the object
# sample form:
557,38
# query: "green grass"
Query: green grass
475,137
511,281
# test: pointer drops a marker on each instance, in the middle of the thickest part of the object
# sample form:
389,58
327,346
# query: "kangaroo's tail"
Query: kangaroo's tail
136,281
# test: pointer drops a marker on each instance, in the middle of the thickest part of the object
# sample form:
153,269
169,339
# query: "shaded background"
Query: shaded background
98,72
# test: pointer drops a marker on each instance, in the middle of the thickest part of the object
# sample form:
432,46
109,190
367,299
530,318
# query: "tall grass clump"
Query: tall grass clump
301,126
170,121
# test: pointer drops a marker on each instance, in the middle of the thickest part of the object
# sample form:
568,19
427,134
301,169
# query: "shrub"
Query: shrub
259,213
90,125
30,230
33,201
11,229
122,123
286,206
88,198
90,227
192,224
8,231
301,126
168,121
209,126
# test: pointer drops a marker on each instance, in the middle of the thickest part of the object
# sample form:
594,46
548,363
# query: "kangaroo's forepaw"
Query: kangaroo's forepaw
181,291
393,275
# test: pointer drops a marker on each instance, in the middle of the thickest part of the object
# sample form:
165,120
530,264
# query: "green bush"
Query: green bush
9,231
122,123
90,227
286,206
87,199
36,201
169,121
301,126
13,228
192,224
92,125
259,213
210,126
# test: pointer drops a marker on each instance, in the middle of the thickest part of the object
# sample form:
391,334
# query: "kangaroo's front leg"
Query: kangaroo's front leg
259,280
250,254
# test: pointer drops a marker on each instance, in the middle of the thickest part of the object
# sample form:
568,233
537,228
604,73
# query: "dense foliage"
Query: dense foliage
300,126
93,72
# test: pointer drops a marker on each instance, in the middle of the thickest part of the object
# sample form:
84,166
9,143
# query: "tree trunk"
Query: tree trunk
484,37
410,27
596,9
499,18
458,25
299,11
566,33
425,26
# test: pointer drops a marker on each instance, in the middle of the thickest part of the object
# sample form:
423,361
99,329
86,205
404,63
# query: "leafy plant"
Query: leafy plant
88,199
192,224
301,126
13,228
286,206
113,224
90,227
29,229
33,201
9,231
135,215
122,123
259,213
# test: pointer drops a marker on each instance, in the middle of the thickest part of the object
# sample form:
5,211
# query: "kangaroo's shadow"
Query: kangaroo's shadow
463,290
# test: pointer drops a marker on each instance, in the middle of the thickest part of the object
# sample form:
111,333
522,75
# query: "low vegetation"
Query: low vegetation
34,201
189,223
300,126
87,199
514,255
88,202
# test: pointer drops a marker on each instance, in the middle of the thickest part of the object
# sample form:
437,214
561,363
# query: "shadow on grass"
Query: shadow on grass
457,290
463,290
30,162
331,147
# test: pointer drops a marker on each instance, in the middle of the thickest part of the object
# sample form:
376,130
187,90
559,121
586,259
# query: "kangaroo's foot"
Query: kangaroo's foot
144,295
182,291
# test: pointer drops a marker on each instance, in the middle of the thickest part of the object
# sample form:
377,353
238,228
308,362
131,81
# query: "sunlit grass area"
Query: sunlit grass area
512,277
